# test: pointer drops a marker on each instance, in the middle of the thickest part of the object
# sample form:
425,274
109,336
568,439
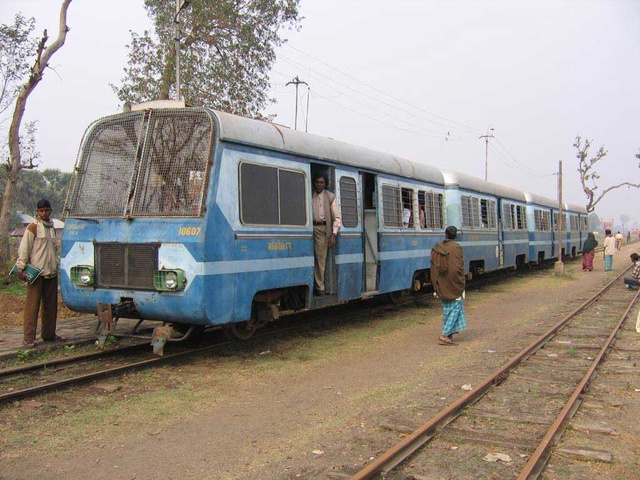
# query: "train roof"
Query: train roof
277,137
575,208
476,184
247,131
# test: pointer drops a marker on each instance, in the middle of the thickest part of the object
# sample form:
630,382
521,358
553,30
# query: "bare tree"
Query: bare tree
17,161
588,175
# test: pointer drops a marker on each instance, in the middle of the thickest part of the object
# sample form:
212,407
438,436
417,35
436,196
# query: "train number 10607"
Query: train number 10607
194,231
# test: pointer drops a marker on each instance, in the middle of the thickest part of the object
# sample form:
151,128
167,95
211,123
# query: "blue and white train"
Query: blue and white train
192,216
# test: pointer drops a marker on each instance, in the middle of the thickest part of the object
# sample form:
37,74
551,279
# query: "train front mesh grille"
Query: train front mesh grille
126,265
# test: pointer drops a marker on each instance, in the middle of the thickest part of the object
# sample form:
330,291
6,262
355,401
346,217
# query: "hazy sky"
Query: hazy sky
421,79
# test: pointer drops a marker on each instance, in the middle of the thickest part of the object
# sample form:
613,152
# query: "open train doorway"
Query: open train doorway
370,247
330,270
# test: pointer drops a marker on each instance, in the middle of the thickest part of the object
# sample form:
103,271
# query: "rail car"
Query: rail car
196,217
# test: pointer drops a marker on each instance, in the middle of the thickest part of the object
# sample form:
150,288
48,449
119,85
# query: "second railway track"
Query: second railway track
519,411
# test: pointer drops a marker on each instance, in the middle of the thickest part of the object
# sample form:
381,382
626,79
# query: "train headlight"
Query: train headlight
169,280
82,275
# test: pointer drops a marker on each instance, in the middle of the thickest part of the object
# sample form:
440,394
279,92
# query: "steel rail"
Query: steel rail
396,454
537,461
29,392
77,358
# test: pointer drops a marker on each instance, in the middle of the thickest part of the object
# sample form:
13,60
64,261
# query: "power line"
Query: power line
460,126
318,76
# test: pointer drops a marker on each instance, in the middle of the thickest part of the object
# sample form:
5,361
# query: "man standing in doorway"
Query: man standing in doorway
38,248
326,224
448,280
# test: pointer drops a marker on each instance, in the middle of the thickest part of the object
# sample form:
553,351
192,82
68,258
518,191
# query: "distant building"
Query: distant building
25,220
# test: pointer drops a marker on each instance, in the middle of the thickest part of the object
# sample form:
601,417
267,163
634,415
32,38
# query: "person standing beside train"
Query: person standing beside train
448,280
588,252
38,248
609,249
326,224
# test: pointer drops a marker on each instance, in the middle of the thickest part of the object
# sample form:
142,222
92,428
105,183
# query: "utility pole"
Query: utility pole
180,5
486,151
559,267
296,81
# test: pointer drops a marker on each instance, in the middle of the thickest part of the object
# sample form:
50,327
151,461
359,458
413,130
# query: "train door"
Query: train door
371,267
554,235
500,234
330,272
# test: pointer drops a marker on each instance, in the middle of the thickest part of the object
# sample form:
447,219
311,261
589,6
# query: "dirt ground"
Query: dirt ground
12,307
299,407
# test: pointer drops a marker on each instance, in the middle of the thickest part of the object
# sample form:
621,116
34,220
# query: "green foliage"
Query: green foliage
227,51
33,185
594,222
16,48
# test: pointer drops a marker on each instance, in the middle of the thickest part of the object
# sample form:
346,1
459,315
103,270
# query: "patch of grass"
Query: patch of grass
569,273
12,285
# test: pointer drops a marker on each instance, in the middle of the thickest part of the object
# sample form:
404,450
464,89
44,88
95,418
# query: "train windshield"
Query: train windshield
143,164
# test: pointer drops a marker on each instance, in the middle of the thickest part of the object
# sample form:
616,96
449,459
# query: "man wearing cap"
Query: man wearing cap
38,248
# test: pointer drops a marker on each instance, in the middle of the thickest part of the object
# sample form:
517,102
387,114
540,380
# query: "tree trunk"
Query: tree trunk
43,55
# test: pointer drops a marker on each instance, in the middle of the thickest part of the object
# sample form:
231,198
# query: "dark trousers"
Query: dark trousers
41,293
634,282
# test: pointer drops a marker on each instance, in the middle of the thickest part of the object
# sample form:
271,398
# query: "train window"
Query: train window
470,211
507,216
430,206
514,216
543,220
272,196
488,211
292,188
407,208
555,221
138,164
170,178
391,206
521,216
349,201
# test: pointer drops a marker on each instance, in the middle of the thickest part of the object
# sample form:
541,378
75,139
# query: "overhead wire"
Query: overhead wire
433,133
497,147
320,78
449,124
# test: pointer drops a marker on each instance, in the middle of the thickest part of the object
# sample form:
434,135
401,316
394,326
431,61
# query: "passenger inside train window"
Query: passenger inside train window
406,216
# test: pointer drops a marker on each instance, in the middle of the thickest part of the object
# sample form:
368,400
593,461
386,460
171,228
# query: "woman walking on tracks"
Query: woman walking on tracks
447,277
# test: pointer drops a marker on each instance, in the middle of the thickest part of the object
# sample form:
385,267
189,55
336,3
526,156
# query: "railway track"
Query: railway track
518,413
33,379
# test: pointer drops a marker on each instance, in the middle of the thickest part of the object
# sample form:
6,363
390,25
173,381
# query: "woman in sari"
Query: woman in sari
588,252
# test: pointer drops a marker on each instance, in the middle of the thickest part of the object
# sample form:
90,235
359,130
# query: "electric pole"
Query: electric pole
486,151
296,81
179,7
559,267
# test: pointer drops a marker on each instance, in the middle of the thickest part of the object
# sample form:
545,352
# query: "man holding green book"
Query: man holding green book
38,248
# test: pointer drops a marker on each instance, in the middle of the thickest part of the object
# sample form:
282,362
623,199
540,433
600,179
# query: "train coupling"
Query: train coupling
108,315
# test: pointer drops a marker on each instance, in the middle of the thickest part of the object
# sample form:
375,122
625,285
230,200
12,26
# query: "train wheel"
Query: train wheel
241,330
